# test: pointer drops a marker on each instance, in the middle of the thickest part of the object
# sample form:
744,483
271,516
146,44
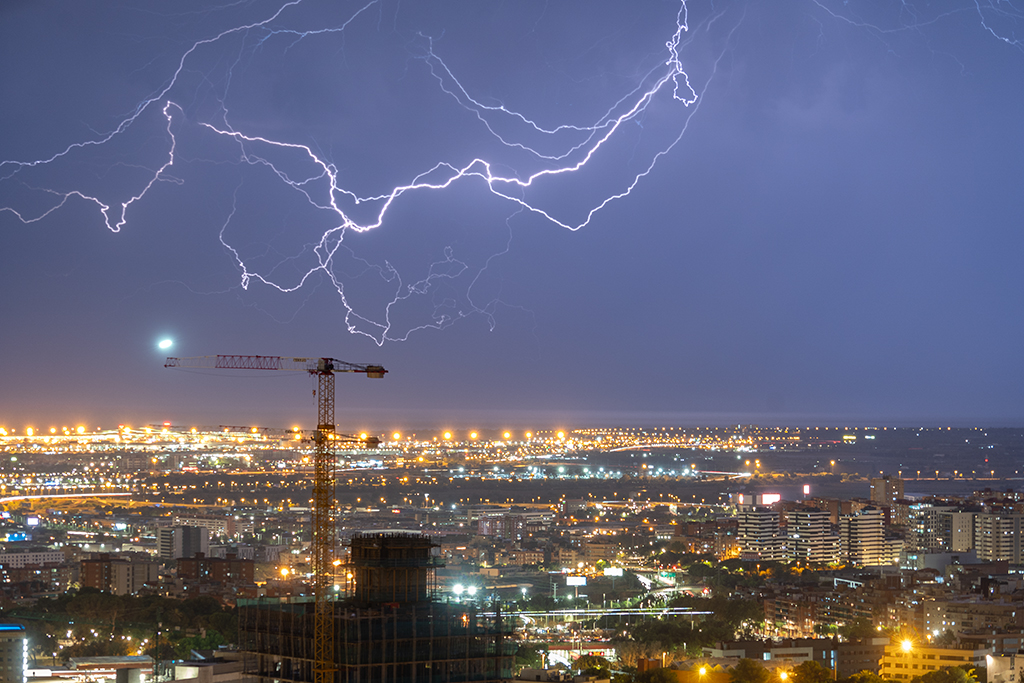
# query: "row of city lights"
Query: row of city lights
80,429
395,436
30,431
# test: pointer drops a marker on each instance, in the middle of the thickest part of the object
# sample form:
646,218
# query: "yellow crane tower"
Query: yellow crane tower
323,540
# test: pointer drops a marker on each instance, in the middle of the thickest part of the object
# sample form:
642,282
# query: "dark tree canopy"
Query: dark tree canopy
657,676
749,671
864,676
810,672
953,674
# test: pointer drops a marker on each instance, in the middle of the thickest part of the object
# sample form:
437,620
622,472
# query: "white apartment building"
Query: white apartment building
997,536
759,536
862,538
811,538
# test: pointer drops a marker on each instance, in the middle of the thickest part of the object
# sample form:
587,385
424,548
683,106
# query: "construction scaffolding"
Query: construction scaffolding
388,626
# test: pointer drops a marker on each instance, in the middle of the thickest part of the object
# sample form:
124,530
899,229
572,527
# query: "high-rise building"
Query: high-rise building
182,541
759,536
862,537
997,536
957,529
229,526
928,526
943,528
811,538
886,490
13,653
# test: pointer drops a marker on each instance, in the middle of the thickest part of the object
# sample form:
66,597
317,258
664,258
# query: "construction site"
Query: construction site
387,623
382,622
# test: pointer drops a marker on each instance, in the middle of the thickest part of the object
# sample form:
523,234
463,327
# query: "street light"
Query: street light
907,646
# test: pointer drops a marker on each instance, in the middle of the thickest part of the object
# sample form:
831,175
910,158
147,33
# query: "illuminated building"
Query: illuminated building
942,528
229,526
783,654
13,653
118,576
811,538
182,541
862,537
759,536
907,660
886,490
998,537
37,556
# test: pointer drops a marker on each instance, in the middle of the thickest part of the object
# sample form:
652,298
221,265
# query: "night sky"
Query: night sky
532,213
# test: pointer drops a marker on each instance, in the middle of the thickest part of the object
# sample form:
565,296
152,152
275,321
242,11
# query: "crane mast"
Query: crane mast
322,543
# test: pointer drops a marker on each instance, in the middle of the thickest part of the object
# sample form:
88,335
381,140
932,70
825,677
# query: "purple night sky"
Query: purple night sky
531,213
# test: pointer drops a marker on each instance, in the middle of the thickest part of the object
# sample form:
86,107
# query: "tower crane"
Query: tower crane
307,435
323,539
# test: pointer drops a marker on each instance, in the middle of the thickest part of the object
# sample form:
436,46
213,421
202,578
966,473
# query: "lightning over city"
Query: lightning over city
478,341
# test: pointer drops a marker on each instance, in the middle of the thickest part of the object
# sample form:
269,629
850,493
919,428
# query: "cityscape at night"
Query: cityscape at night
674,341
597,543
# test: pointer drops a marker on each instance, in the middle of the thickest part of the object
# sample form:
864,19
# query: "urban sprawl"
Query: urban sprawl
738,554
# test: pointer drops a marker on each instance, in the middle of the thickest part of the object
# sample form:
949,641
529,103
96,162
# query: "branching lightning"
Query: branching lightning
533,161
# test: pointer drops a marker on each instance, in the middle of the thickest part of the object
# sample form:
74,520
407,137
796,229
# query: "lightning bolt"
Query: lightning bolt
998,18
542,172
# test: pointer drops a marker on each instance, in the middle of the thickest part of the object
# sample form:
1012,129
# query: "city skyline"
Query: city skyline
596,215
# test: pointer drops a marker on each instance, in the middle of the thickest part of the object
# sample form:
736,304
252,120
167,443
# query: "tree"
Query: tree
811,672
211,641
592,665
857,630
669,631
951,674
866,676
658,675
749,671
826,630
629,652
528,656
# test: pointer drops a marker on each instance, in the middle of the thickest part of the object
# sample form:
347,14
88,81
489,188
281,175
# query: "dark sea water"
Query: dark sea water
931,462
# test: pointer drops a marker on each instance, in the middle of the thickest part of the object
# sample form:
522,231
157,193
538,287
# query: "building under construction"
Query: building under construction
388,625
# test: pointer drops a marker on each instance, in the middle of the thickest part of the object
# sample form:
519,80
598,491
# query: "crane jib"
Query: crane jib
249,362
316,366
